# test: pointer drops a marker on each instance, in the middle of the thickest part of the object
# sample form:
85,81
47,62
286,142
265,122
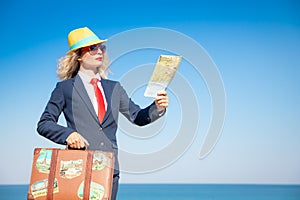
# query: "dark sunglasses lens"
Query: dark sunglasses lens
94,47
103,47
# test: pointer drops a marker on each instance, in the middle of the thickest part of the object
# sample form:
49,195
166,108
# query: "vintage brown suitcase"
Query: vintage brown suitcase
59,174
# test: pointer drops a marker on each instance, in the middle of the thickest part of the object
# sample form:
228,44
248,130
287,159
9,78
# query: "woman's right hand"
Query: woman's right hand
76,141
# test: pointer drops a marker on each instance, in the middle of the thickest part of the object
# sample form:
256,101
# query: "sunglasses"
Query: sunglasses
93,49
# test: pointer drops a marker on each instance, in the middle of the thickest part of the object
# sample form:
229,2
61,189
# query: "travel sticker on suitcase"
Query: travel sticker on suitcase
39,189
71,168
96,191
99,161
44,160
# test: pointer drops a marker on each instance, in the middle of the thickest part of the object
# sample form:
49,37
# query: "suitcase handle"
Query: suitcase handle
70,148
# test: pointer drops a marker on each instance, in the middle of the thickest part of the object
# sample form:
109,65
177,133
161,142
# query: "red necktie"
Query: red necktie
100,100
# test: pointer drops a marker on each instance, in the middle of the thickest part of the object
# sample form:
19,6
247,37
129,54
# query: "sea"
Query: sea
183,192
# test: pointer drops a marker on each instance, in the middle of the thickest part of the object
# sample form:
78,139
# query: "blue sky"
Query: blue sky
255,47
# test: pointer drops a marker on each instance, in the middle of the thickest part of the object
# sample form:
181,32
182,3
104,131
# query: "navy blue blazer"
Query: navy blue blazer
70,98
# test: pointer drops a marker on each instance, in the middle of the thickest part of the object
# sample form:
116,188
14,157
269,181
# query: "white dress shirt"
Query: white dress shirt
90,89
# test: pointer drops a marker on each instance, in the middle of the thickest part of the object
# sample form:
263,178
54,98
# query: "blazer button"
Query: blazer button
102,144
100,129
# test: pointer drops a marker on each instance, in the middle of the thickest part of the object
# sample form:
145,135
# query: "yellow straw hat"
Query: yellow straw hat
82,37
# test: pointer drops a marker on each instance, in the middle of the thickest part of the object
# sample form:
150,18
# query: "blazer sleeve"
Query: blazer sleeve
47,125
134,113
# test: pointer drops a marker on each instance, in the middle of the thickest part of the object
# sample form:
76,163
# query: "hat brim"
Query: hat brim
87,44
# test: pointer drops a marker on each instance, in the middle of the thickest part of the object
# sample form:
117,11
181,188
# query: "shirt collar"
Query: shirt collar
87,78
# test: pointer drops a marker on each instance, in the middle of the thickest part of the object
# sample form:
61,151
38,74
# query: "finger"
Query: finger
81,144
70,142
85,142
161,97
72,145
162,93
163,103
160,101
79,141
163,106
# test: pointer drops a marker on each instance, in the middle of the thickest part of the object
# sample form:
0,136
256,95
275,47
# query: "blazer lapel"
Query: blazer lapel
108,92
80,89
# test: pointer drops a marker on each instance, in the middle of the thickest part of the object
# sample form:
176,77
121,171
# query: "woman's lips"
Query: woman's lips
99,58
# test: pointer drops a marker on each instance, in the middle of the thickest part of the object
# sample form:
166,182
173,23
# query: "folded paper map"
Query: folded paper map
163,73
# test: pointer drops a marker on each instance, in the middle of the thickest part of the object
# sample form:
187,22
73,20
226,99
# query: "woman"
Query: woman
90,102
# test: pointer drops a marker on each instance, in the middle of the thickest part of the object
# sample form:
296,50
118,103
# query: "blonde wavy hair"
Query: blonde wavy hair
68,66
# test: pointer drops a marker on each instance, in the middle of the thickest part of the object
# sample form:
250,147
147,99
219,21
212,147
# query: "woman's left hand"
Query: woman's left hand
161,101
